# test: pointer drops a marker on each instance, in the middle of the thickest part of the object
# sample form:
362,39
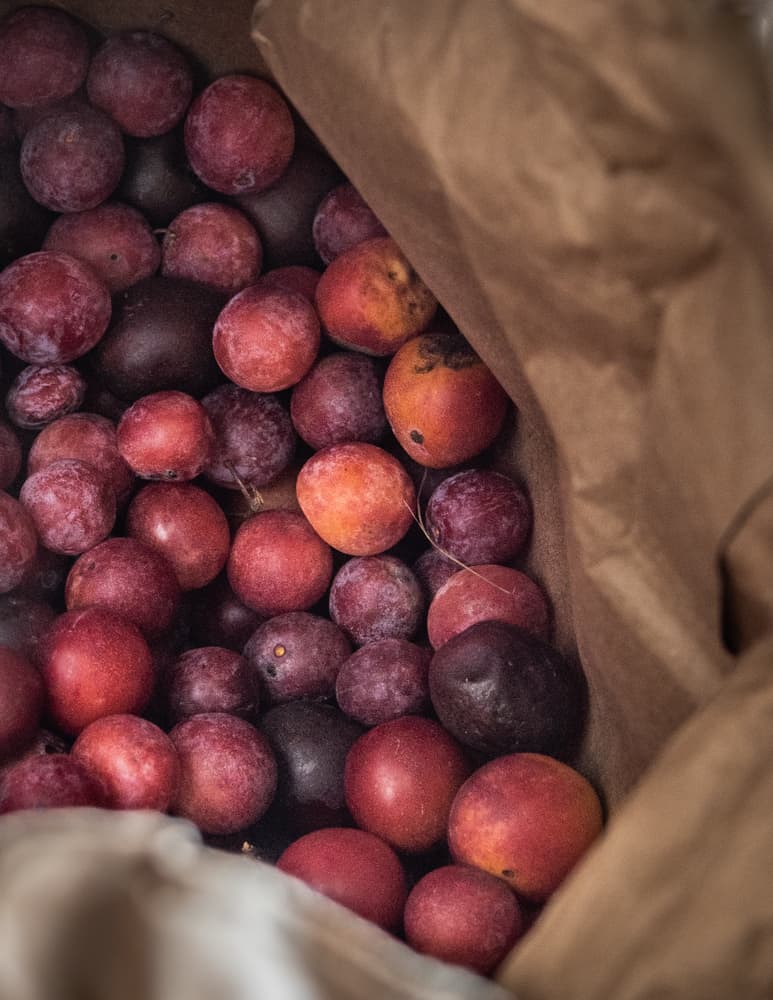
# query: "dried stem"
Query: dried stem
250,493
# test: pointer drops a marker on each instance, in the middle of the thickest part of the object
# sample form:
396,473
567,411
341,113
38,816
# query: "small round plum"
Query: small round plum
142,81
296,655
278,563
487,593
464,916
210,679
166,435
21,701
384,680
72,506
94,663
114,239
352,867
213,244
49,781
228,772
158,180
129,578
401,778
339,400
357,497
18,542
239,135
135,762
45,56
53,308
185,525
42,393
343,219
376,597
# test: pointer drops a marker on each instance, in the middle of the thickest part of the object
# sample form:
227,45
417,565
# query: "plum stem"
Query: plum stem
250,493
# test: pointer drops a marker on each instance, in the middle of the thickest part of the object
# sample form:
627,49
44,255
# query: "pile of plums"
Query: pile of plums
257,567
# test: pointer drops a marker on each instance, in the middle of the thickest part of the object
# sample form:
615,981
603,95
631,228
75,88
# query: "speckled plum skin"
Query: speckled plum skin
384,680
129,578
371,300
376,597
72,161
71,504
10,456
210,679
310,741
94,663
228,772
278,563
355,868
239,135
185,525
18,542
266,340
339,400
498,689
357,497
45,56
254,437
486,593
400,780
343,219
53,308
166,435
213,244
479,516
464,916
49,781
135,761
41,393
296,655
525,818
114,239
142,81
21,701
86,437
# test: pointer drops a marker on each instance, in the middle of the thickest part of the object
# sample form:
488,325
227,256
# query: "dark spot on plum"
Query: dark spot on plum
417,437
113,256
508,873
271,670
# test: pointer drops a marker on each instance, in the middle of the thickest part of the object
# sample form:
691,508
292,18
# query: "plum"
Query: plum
42,393
376,597
166,435
21,701
384,680
209,679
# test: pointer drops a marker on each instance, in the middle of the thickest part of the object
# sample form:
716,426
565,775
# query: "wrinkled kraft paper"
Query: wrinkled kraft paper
588,189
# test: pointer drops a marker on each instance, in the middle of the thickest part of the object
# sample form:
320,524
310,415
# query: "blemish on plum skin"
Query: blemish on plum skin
279,650
508,873
417,437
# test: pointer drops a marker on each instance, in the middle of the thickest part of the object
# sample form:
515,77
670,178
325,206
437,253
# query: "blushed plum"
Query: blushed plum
384,680
352,867
228,772
310,741
129,578
53,308
479,516
278,563
135,762
339,400
10,456
18,542
45,576
85,437
41,393
94,663
486,593
72,506
186,525
166,435
342,220
210,679
45,56
239,135
142,81
296,655
376,597
72,161
113,238
266,340
49,781
213,244
21,701
254,437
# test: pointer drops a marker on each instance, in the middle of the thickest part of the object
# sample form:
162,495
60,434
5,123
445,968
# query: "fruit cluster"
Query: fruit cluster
256,567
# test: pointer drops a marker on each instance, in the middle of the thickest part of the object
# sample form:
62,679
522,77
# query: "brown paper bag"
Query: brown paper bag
587,187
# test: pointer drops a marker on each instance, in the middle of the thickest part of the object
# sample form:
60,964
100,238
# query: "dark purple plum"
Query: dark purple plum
158,179
219,617
342,220
432,569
